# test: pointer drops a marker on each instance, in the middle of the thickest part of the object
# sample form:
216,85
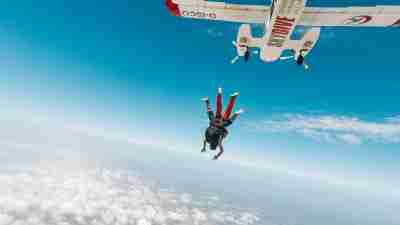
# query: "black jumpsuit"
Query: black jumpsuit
215,133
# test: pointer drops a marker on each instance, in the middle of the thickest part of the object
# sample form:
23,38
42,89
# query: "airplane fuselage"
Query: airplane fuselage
280,25
280,20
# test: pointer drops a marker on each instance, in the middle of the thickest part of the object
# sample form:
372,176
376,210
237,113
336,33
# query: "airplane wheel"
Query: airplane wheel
247,56
300,60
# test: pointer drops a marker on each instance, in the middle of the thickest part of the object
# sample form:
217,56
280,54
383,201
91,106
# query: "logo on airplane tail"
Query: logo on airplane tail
358,20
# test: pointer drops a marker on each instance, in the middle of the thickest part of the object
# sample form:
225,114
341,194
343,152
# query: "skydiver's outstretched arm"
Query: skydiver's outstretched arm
221,148
204,145
210,116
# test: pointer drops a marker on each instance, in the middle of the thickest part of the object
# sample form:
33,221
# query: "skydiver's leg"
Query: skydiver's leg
230,106
221,149
229,122
218,113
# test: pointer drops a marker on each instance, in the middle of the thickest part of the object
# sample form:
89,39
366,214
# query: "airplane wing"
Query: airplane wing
202,9
377,16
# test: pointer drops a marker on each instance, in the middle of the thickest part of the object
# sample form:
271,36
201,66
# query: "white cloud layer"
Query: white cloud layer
101,198
351,130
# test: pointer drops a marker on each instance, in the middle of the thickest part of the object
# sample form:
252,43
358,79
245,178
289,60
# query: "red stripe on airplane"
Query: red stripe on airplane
280,30
172,7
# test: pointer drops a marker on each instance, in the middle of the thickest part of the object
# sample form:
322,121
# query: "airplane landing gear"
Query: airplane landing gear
242,51
247,55
300,60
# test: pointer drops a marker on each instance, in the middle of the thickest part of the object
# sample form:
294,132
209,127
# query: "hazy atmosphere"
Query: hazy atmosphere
102,123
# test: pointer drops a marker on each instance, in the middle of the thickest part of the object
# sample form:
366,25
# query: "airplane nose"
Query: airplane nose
172,7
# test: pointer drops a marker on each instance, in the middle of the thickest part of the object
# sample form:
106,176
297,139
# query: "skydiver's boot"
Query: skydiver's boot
236,115
240,111
230,106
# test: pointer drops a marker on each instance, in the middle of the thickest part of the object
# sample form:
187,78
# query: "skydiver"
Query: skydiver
216,131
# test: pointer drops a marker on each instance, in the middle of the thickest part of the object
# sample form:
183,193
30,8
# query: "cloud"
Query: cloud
186,198
350,138
5,219
199,215
394,119
241,219
351,130
100,197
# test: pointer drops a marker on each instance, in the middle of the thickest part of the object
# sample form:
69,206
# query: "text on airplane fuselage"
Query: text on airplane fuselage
280,31
199,14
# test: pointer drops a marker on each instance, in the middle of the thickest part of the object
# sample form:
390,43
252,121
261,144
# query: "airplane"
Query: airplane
279,20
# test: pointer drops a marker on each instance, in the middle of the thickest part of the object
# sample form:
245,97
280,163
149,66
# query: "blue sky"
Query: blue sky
132,66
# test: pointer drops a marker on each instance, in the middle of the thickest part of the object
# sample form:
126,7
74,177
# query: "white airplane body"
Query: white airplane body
280,19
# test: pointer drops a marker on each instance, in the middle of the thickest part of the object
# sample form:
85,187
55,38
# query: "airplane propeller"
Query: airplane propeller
246,56
306,66
237,57
234,60
286,57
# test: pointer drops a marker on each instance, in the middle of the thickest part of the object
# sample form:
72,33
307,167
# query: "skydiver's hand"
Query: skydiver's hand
215,157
